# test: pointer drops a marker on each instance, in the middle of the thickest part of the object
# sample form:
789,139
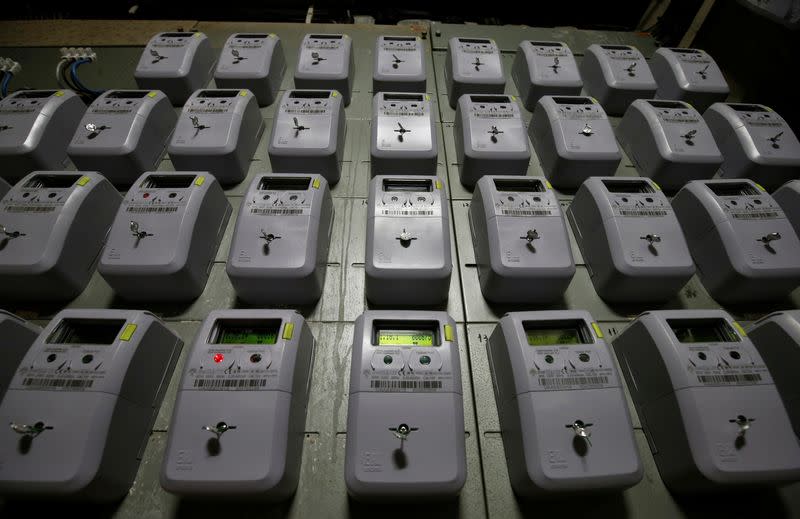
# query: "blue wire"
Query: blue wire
4,85
73,72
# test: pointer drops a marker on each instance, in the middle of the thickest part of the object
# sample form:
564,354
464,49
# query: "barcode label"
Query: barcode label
275,212
241,383
69,383
556,382
748,378
405,384
494,116
521,212
30,208
151,209
307,111
642,212
390,212
756,215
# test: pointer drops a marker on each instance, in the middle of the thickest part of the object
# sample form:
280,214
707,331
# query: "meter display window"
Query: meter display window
86,331
51,181
555,333
666,104
284,183
747,108
622,186
545,43
410,186
732,188
217,94
702,330
238,331
573,101
405,334
40,94
519,186
167,181
128,94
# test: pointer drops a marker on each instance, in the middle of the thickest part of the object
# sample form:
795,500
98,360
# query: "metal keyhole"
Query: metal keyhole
219,429
581,430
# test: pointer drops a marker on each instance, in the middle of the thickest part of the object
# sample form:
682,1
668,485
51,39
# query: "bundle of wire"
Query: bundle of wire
67,76
6,79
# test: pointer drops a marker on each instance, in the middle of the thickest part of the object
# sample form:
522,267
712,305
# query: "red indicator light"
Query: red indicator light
218,357
146,195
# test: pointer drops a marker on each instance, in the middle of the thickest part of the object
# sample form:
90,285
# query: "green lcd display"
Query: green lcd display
702,330
233,332
390,337
553,333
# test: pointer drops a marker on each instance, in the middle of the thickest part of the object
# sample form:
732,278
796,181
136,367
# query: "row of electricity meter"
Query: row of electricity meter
159,241
718,406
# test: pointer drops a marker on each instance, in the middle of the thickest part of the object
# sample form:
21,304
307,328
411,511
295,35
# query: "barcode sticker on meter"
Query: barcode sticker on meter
405,384
230,384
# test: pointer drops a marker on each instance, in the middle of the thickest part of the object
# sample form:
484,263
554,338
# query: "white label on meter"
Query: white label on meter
281,203
524,204
633,207
408,204
404,369
568,367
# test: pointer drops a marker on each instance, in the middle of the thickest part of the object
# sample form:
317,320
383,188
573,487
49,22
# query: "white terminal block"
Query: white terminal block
756,143
35,129
279,249
616,75
545,68
408,259
573,140
520,238
123,134
255,62
669,141
707,402
405,417
53,227
177,63
788,198
403,136
80,409
240,414
162,243
217,131
473,66
565,420
744,246
308,134
399,65
490,137
631,240
326,61
18,336
689,75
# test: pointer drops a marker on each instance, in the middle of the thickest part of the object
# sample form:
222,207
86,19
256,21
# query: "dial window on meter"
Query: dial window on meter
555,333
237,331
389,334
702,330
86,331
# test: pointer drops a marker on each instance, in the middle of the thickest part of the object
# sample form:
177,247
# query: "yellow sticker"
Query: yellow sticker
594,100
315,183
513,98
597,330
658,188
448,332
768,108
438,184
59,93
152,94
739,329
427,97
334,94
198,34
288,331
243,93
548,184
199,181
759,186
83,181
273,35
127,333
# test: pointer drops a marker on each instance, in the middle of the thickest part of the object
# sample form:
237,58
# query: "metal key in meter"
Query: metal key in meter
80,409
399,65
473,66
669,141
35,129
788,198
520,238
408,258
177,63
123,134
573,140
240,415
162,243
756,143
18,336
403,134
616,75
744,247
254,62
279,249
217,131
631,240
326,61
545,68
308,134
405,418
565,421
53,225
490,138
689,75
707,402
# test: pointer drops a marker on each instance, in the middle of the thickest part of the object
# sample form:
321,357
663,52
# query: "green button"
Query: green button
424,360
387,359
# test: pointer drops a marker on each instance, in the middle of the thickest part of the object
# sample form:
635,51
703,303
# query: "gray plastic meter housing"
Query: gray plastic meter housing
79,411
162,243
217,131
308,134
565,421
744,247
326,61
689,75
399,65
520,238
35,129
490,137
403,137
756,143
279,249
707,402
405,417
669,141
545,68
123,134
788,197
18,336
631,240
616,75
54,225
408,258
573,140
237,429
4,187
177,63
473,66
252,61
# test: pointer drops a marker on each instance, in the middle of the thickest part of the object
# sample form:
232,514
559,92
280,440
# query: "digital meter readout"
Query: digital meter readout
406,338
